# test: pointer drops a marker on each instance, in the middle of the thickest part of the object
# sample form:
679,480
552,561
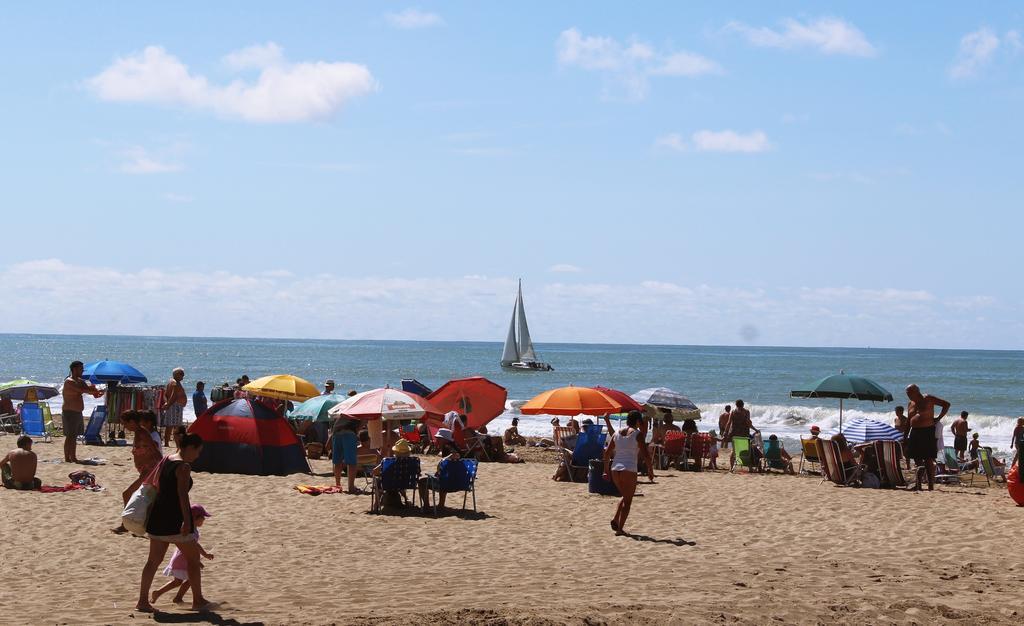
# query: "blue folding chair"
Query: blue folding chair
93,431
32,422
453,477
399,474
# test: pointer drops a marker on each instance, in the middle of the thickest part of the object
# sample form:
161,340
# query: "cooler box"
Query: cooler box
596,481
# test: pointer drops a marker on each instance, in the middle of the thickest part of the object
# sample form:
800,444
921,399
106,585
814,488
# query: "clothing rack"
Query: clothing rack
121,398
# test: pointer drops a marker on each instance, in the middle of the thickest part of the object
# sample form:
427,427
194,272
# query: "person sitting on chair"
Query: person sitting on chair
18,468
433,481
776,455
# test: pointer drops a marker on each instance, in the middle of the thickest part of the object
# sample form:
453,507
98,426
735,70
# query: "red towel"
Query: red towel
58,489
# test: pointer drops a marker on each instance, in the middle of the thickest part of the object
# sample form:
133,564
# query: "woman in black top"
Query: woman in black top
170,521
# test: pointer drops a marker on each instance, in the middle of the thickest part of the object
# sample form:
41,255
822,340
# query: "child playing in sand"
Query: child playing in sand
713,450
177,568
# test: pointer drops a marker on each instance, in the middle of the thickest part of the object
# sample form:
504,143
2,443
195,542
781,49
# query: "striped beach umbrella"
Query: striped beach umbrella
862,429
665,398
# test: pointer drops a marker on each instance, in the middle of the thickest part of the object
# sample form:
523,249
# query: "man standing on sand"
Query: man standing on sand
199,402
71,411
723,425
960,430
901,423
1017,440
174,404
921,443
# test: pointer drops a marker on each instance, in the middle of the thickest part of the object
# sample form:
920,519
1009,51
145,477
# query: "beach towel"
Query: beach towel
315,490
59,489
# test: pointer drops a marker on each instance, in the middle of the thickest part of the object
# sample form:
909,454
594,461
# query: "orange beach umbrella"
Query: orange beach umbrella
571,401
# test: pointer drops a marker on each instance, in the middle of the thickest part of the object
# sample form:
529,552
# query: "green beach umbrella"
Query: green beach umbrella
316,408
845,387
19,388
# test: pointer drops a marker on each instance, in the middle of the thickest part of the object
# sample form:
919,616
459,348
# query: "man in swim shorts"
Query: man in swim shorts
921,444
174,404
960,430
18,468
71,410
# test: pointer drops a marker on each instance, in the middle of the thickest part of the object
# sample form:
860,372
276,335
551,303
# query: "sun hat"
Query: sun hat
445,433
815,429
401,448
198,509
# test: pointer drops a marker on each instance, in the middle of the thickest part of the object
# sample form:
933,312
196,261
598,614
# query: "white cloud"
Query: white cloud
412,18
255,57
565,268
672,141
828,35
282,92
627,66
223,303
730,141
139,161
976,51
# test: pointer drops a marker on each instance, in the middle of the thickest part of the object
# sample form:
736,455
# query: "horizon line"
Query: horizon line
540,343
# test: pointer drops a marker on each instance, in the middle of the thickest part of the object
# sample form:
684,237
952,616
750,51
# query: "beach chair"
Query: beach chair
825,462
589,446
836,472
411,433
32,422
475,445
696,447
672,450
396,474
454,476
563,436
94,429
773,456
809,455
889,454
953,467
743,454
988,467
10,423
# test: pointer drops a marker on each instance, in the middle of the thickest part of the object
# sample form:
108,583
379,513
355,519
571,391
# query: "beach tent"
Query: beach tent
245,436
479,399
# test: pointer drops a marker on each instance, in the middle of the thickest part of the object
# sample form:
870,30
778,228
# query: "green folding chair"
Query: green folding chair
742,453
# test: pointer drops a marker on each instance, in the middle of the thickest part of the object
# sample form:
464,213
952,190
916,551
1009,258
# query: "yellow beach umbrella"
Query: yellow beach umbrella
283,387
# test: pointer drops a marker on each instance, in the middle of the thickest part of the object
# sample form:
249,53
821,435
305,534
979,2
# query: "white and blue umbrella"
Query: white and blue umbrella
862,429
665,398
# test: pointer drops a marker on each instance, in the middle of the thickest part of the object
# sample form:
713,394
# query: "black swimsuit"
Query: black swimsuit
165,517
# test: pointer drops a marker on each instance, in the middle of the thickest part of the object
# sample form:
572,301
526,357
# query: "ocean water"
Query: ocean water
988,384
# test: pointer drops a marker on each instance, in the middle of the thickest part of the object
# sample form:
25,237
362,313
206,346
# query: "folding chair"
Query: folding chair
94,429
988,467
889,454
454,476
953,468
809,455
742,453
32,423
396,474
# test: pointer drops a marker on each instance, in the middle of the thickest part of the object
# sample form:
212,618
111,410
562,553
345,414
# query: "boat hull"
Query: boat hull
531,366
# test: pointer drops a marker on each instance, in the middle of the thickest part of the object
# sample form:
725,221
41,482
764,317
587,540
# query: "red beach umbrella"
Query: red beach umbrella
476,397
628,404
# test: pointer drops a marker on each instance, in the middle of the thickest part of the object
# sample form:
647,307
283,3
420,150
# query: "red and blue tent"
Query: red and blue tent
245,436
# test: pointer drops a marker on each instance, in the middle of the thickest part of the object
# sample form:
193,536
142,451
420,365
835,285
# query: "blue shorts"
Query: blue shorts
343,448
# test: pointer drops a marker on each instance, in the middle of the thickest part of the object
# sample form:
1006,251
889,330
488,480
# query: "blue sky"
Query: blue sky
787,173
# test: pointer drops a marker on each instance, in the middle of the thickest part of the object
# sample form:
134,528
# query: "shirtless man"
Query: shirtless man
723,424
1017,440
174,404
71,412
921,444
739,425
901,424
960,430
19,467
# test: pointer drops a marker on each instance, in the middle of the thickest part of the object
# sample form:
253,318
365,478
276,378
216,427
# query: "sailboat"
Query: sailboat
519,353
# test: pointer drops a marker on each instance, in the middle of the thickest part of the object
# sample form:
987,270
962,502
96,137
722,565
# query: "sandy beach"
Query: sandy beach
705,547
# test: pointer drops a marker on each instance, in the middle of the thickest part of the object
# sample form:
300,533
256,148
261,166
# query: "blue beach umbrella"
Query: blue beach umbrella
112,372
862,429
315,409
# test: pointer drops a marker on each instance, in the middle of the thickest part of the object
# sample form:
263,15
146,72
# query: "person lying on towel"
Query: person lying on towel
18,468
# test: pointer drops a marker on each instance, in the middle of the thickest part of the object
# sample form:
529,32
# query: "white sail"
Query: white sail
510,354
526,352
